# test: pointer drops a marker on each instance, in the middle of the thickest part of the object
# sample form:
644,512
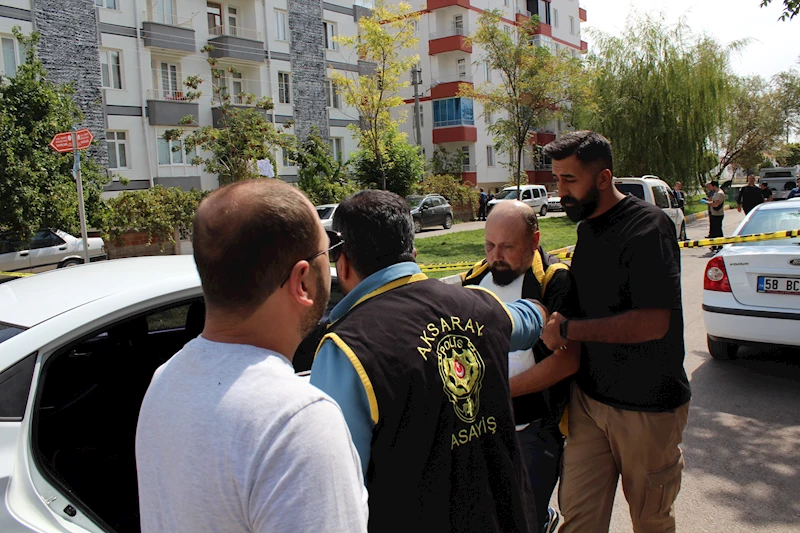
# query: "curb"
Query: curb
703,214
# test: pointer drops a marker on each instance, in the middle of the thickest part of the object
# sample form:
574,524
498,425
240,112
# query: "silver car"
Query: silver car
49,249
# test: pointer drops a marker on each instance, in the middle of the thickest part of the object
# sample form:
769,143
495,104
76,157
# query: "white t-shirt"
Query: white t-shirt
522,360
230,440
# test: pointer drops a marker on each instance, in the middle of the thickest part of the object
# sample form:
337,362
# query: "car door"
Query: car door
662,200
439,210
527,197
14,254
47,251
426,212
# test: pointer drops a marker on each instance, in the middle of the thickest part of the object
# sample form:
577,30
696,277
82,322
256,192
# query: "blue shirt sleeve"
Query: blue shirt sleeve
333,373
527,324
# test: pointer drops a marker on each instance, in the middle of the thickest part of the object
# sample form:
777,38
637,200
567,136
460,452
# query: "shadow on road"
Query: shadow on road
743,430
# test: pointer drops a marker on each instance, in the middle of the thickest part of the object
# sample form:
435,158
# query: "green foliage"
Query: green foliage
460,196
321,176
788,155
444,162
37,188
790,8
157,211
662,94
401,166
787,87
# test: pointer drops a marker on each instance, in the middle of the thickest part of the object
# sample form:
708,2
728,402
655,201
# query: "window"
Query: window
117,142
507,30
416,27
487,71
572,25
111,69
333,96
490,156
506,2
283,88
336,148
233,19
173,153
526,194
453,112
421,115
489,118
231,84
461,66
280,25
660,197
9,64
546,17
45,239
458,24
108,4
555,18
287,162
164,11
465,156
330,33
214,15
170,82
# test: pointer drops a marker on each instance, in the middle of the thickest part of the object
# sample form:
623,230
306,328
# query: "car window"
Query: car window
15,384
635,189
508,194
325,212
174,318
427,203
526,194
660,197
413,201
7,331
45,239
770,221
11,243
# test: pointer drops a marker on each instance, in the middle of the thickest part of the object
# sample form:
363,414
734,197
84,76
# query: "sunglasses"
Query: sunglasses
333,250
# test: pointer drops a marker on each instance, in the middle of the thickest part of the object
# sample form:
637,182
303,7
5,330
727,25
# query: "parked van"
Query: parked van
653,190
533,195
780,179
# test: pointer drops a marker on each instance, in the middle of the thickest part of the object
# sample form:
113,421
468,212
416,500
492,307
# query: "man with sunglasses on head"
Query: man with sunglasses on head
420,369
631,400
229,439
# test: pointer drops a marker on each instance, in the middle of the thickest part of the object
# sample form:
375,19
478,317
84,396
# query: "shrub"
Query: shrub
462,197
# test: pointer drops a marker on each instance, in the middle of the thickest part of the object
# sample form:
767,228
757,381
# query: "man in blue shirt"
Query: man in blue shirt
420,370
795,193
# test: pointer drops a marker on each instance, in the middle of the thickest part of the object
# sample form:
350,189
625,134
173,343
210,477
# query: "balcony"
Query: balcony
168,107
584,46
582,14
168,31
458,132
522,16
452,40
447,85
437,4
236,42
543,29
218,116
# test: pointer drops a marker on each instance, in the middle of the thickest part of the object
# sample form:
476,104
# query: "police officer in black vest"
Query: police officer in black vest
420,370
517,267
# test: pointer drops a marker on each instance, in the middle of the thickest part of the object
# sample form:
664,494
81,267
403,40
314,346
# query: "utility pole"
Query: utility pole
416,80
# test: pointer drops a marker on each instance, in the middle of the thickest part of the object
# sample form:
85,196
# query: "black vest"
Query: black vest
445,455
548,404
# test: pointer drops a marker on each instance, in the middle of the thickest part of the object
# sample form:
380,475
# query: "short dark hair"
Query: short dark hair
247,237
589,147
377,229
714,183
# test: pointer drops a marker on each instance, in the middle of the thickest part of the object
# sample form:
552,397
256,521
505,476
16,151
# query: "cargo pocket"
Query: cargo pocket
661,490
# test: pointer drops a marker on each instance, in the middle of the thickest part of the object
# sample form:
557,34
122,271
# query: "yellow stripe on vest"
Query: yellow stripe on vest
359,368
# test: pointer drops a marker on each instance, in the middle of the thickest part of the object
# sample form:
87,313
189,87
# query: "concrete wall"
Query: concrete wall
307,52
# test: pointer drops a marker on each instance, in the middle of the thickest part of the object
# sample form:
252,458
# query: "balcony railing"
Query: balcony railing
167,95
167,18
455,30
234,31
451,77
456,122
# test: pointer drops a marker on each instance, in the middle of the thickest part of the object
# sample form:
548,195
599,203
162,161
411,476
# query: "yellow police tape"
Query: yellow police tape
15,274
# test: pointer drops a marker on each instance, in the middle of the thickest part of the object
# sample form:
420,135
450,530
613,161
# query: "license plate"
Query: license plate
779,285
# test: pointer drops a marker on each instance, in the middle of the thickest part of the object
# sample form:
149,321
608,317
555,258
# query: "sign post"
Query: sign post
74,141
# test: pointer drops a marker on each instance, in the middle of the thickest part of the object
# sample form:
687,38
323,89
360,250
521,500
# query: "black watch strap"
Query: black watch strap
563,330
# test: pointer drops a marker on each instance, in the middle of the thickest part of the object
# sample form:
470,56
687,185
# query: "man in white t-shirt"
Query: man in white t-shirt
229,439
516,267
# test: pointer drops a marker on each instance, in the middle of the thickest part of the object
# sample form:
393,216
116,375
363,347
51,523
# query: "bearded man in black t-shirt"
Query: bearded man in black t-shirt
631,400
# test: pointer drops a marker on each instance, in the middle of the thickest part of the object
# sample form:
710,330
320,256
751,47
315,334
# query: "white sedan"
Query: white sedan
49,249
751,291
73,372
325,213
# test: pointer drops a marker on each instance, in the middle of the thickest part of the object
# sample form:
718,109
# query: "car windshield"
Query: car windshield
770,221
507,194
7,331
414,201
635,189
325,212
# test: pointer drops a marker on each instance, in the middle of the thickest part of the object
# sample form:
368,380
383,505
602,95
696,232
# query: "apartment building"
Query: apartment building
447,59
129,60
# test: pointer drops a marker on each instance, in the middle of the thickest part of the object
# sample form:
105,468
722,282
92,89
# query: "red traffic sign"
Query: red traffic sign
62,142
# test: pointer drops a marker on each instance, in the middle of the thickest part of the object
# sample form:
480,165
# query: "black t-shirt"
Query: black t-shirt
628,258
749,197
766,193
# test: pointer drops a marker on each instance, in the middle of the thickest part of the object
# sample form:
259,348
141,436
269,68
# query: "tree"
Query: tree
790,8
753,125
662,94
402,163
321,176
535,89
37,188
788,155
787,84
447,163
382,41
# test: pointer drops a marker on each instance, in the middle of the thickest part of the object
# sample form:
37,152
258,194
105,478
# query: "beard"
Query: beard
312,317
503,274
583,208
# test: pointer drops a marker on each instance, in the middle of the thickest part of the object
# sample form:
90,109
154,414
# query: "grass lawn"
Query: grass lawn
468,245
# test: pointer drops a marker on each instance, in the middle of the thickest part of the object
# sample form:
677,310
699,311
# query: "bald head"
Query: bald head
513,212
246,238
512,237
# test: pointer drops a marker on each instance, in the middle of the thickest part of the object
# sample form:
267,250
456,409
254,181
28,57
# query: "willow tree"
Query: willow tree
662,95
382,45
536,87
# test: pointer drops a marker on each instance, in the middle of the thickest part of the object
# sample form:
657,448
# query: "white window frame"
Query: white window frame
461,68
572,25
458,24
105,4
233,29
4,39
174,87
334,98
281,17
284,89
465,159
185,158
288,163
331,31
337,148
107,54
490,162
489,118
114,144
487,71
555,18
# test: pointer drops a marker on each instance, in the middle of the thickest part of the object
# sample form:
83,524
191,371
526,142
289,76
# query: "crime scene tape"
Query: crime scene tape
755,237
15,274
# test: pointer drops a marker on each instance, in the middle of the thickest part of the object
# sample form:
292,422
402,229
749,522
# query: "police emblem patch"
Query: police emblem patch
461,368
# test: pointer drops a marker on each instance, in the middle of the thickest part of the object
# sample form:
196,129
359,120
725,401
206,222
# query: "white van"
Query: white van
655,191
780,179
533,195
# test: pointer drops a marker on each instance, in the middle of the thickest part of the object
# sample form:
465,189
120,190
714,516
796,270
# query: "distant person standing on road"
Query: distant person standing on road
483,199
229,439
631,400
716,205
766,192
795,193
680,196
749,196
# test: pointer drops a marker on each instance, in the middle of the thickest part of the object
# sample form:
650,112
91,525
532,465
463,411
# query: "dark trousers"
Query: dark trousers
541,445
482,212
715,226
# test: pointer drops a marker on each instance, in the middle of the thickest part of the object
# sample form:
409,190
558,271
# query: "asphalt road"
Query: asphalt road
742,441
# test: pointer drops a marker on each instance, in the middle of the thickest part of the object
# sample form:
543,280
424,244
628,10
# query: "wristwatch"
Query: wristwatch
563,330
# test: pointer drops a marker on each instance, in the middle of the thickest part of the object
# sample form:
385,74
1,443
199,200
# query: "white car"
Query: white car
533,195
655,191
554,203
78,347
751,291
47,250
325,213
